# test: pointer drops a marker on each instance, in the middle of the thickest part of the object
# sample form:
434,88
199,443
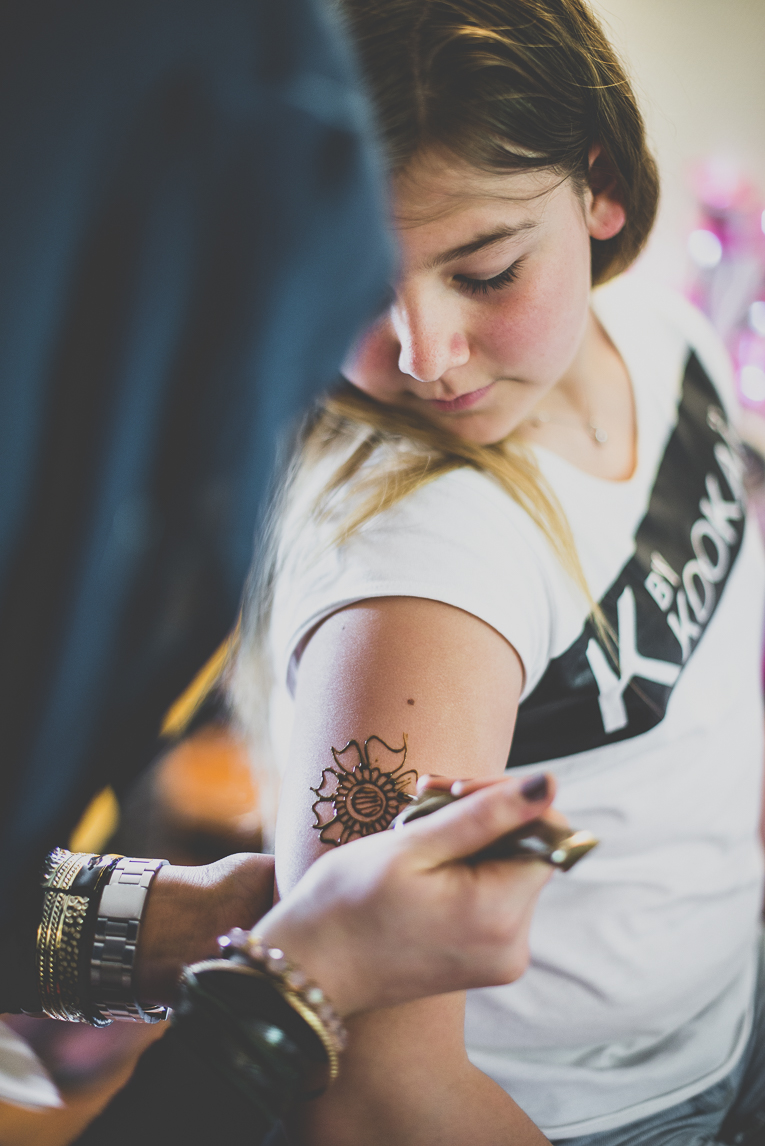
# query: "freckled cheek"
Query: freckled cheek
538,333
521,340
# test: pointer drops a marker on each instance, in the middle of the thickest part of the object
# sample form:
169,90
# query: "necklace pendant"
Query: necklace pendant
598,435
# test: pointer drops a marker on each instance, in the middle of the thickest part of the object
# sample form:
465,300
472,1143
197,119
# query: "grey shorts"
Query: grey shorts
732,1112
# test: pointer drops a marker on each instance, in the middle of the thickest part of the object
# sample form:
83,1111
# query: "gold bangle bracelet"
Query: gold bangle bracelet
58,938
64,873
309,1016
68,939
305,997
305,1011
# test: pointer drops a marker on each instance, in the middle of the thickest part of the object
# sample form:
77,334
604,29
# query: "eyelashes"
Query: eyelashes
477,287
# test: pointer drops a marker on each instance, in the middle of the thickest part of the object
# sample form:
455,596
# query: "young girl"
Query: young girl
515,538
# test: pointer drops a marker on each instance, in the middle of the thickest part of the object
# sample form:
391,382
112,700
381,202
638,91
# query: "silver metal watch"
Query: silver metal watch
116,940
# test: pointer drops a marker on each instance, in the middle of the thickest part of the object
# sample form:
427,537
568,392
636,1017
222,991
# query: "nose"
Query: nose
431,336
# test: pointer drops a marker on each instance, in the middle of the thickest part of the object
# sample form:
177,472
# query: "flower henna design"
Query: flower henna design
364,793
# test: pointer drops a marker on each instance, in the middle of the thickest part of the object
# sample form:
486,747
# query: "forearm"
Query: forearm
188,908
396,1086
440,689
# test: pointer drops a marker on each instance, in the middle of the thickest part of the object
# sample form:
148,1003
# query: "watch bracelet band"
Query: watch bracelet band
115,942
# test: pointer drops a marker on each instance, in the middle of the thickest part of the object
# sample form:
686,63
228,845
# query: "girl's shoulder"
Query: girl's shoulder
459,539
444,530
463,510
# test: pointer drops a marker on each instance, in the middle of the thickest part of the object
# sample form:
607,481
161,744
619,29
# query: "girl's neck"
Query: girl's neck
595,394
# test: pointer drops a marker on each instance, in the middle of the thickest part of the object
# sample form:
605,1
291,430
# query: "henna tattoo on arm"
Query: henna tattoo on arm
363,793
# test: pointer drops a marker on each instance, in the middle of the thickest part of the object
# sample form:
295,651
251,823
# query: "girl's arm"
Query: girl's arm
415,672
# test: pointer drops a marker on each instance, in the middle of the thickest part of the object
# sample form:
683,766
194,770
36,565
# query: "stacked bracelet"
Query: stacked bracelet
86,940
302,995
257,1020
72,882
234,1019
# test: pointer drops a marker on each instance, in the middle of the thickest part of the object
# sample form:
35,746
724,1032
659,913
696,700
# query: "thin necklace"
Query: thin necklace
591,428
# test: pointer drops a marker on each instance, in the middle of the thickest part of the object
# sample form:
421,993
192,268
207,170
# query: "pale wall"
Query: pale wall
699,71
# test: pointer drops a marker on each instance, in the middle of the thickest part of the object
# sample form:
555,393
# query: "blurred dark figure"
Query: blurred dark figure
190,236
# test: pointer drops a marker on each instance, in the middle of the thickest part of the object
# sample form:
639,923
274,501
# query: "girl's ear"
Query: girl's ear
605,212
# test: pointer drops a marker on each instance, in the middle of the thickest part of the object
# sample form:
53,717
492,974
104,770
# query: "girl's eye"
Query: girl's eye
483,286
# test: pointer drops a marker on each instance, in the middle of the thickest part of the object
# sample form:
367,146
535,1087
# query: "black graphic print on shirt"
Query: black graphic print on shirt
661,602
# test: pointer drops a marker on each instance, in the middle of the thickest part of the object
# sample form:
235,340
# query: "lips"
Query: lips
463,402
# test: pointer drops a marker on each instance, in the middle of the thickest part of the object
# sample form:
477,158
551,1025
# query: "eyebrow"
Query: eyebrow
479,243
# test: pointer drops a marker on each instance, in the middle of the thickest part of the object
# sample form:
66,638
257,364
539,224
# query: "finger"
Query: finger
430,782
475,784
533,787
474,822
553,816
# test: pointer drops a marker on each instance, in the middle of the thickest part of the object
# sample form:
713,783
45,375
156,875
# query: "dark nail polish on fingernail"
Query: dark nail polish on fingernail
536,788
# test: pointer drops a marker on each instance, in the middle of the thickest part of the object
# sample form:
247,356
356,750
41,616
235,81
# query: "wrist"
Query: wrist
188,908
250,954
172,932
314,951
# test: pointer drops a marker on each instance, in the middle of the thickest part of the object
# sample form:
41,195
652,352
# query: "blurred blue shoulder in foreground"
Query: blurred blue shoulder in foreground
190,234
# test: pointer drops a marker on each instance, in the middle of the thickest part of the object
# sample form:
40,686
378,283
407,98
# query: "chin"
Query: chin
479,429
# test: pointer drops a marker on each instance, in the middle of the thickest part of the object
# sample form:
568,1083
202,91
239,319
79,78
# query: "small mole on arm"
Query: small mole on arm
410,702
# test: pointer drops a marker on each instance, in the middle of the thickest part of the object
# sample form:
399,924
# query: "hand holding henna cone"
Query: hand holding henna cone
555,845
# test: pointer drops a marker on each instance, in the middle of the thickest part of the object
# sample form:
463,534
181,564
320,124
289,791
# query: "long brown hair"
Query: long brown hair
508,85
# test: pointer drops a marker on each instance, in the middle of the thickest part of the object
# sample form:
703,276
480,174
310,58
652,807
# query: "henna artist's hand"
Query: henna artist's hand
397,916
187,908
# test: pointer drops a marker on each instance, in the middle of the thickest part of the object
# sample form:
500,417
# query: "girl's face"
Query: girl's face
491,308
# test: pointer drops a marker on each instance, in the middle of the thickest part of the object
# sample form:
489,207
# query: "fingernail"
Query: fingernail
535,788
434,782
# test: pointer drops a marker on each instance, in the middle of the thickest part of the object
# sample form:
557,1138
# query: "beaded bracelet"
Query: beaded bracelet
304,996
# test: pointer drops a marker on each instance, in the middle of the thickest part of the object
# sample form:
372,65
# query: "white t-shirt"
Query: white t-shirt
640,987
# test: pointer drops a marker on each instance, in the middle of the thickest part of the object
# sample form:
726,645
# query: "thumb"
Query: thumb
475,821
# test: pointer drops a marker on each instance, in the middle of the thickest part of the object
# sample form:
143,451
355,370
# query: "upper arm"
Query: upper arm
417,672
409,671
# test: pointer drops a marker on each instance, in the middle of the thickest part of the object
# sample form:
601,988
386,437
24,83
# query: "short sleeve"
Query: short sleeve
460,539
